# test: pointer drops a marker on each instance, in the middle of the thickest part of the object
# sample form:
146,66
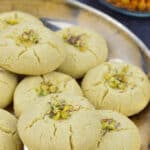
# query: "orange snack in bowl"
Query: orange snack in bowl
133,5
148,5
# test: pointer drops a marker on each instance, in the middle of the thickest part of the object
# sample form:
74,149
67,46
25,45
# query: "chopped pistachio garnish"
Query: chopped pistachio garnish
28,38
12,20
117,79
60,110
76,40
109,125
46,88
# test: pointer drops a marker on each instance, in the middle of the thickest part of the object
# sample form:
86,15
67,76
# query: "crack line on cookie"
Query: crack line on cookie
55,129
36,56
66,83
103,136
5,62
29,90
97,83
98,143
22,52
70,138
104,96
55,47
7,131
1,81
36,120
92,52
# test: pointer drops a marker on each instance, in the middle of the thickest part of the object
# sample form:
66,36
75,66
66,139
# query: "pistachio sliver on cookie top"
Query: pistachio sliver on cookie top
46,88
117,78
76,40
13,20
27,38
109,125
60,110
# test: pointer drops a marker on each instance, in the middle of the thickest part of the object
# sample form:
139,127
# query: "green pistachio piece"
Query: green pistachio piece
53,89
65,115
117,79
60,110
76,40
46,88
57,116
28,38
109,125
12,20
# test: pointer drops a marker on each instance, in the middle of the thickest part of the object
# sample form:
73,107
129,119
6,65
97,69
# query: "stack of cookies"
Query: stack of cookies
65,94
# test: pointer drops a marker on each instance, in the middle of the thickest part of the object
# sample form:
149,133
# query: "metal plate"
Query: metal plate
123,45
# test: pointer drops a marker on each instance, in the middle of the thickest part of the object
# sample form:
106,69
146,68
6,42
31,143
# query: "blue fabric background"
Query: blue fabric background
139,26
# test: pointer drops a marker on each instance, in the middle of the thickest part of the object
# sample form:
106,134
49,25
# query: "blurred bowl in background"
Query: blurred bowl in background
142,14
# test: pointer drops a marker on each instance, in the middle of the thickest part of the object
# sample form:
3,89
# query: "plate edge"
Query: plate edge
137,40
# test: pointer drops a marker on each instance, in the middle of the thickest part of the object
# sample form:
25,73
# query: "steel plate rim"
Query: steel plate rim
112,20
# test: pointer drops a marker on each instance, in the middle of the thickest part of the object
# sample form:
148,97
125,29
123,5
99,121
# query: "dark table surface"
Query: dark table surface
139,26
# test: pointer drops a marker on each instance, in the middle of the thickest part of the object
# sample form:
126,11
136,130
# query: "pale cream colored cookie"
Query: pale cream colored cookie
31,50
117,86
14,18
67,123
9,139
58,123
8,83
117,132
30,89
85,49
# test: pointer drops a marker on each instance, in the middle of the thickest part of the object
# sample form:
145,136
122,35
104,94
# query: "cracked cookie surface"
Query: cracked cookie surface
9,139
14,18
85,49
31,50
83,130
8,83
117,132
39,130
117,86
30,89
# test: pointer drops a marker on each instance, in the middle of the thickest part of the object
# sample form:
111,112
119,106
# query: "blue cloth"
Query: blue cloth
139,26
